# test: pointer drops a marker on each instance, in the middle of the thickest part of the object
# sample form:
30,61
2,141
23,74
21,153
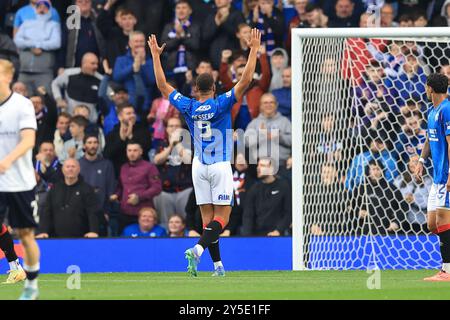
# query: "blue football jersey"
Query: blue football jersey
438,129
209,123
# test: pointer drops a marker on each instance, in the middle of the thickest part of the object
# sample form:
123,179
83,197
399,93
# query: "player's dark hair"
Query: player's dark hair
203,61
88,136
80,121
204,82
438,82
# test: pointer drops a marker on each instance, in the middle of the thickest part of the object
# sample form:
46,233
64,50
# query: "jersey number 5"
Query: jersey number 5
205,129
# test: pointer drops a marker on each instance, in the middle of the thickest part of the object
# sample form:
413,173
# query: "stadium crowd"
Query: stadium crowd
109,157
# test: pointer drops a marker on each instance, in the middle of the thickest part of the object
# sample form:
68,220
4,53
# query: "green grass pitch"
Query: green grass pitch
239,285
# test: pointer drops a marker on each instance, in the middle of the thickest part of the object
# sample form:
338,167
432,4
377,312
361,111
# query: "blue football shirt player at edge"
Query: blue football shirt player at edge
209,122
438,144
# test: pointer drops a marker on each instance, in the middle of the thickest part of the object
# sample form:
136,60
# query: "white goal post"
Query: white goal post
311,48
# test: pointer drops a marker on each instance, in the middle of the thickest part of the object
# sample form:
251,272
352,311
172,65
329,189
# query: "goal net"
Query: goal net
359,123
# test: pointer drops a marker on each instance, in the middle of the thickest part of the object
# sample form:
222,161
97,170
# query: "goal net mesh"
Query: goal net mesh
364,112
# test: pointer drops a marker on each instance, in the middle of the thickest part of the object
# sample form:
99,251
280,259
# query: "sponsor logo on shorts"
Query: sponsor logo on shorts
224,197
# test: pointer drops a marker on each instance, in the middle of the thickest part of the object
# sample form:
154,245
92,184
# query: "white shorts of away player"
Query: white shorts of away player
213,183
438,198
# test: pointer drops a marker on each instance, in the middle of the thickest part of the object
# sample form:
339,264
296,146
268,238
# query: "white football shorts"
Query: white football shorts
213,183
438,197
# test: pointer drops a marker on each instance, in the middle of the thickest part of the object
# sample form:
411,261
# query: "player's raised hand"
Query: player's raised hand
153,45
255,39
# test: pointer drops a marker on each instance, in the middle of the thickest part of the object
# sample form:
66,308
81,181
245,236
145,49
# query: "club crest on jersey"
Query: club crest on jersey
224,197
177,96
205,107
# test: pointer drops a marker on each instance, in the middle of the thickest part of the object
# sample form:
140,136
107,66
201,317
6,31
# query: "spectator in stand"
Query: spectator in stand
444,19
377,151
420,19
271,128
37,39
20,88
231,61
243,180
392,60
99,174
79,86
405,21
415,108
357,55
29,13
62,132
160,113
108,106
416,195
278,62
249,103
72,209
73,148
445,70
138,184
136,64
270,21
268,207
375,87
315,17
283,95
344,16
411,81
330,146
151,15
47,165
411,140
116,35
126,130
76,42
177,226
173,158
48,172
242,35
182,38
46,116
387,15
9,51
146,227
219,29
331,203
194,221
379,205
92,128
299,21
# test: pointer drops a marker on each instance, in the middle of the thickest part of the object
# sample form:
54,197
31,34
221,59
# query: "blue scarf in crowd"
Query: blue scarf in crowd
181,65
267,36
